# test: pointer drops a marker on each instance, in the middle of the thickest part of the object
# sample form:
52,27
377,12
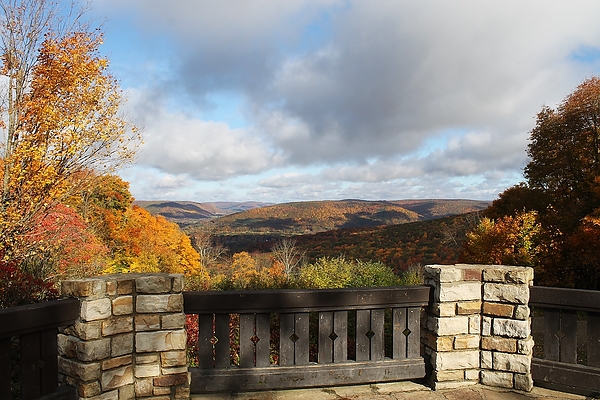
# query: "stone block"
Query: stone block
178,283
127,392
472,374
447,326
93,310
147,358
174,370
153,284
443,309
112,395
111,288
173,358
497,378
116,362
507,345
161,391
457,291
504,274
451,385
522,312
486,326
122,305
505,293
467,359
113,326
146,342
474,324
468,307
67,345
173,321
171,380
147,370
143,387
525,346
117,377
89,389
450,375
486,360
512,362
124,286
466,342
511,328
442,273
523,382
88,330
498,309
471,273
86,372
182,392
91,288
121,344
147,322
93,350
159,303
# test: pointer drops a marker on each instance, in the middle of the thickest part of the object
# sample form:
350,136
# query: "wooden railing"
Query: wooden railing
306,338
33,329
567,337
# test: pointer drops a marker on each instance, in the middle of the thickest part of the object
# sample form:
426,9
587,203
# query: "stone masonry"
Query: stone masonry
477,328
129,341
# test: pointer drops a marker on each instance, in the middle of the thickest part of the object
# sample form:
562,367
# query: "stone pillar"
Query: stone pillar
129,341
506,341
477,327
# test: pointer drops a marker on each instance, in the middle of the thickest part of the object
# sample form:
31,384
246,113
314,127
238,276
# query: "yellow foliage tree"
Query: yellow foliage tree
62,123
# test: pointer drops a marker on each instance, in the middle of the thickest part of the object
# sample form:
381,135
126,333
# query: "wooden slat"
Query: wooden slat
573,299
301,352
399,324
205,346
314,375
5,359
37,317
222,347
593,339
263,346
363,326
30,371
246,345
414,337
568,340
304,300
572,375
286,346
551,340
49,360
377,341
340,328
325,342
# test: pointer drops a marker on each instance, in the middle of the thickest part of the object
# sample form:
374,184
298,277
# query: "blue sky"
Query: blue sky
334,99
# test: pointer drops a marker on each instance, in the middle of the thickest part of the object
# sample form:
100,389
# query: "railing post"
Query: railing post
129,341
478,326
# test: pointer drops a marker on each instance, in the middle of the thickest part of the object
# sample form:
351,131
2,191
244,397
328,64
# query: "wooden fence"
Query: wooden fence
567,337
33,330
326,337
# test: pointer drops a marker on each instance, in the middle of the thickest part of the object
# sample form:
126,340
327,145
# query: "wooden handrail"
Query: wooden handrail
566,299
38,317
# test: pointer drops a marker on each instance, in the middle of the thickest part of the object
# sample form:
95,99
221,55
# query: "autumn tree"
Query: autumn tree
288,255
61,119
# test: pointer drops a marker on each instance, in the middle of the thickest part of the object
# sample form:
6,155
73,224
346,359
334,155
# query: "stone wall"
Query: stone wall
477,329
129,341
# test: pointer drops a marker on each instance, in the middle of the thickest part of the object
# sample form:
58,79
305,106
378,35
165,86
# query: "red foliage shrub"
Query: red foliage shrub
18,288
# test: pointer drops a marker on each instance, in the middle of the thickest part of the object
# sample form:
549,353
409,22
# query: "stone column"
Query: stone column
129,341
477,327
506,341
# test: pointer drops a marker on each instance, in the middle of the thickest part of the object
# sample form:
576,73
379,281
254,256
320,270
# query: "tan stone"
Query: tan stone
91,288
474,324
449,375
442,273
173,321
504,274
472,374
487,360
125,286
122,305
466,342
111,288
486,326
466,359
522,312
525,346
67,345
497,378
161,391
146,342
88,330
173,358
443,309
118,377
523,382
127,392
147,322
505,293
507,345
84,371
153,284
446,326
511,328
178,283
468,307
143,387
121,344
147,358
457,291
498,310
117,325
471,274
512,362
182,393
159,303
89,389
116,362
174,370
92,310
171,380
147,370
93,350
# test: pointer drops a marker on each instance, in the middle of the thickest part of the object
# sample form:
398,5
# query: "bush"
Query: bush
18,288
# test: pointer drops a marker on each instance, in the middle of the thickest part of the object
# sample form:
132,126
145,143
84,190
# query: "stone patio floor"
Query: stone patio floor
396,391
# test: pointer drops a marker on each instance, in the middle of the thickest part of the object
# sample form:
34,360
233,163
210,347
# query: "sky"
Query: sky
296,100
